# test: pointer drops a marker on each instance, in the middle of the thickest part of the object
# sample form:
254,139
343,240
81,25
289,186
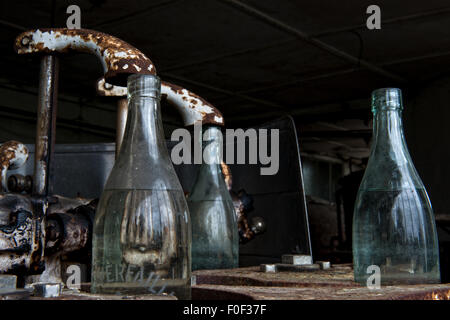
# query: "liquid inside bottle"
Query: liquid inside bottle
142,235
215,238
393,223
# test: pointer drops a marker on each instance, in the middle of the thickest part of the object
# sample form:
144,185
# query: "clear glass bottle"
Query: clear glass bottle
393,222
142,235
215,239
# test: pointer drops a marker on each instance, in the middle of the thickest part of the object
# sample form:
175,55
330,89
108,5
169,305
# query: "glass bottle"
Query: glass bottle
142,235
215,239
393,222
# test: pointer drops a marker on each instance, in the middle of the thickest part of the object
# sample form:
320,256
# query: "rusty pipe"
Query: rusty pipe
119,59
189,105
46,124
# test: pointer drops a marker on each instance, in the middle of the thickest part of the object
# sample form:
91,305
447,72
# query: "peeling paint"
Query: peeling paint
113,52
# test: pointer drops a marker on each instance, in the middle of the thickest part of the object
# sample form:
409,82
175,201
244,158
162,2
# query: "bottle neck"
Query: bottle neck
212,143
210,184
390,166
388,130
144,134
388,136
143,161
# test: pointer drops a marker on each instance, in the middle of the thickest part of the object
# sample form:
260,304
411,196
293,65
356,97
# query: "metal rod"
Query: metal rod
311,40
122,113
46,123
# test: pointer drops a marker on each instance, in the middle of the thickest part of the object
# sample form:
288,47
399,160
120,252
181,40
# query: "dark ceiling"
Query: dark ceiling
254,59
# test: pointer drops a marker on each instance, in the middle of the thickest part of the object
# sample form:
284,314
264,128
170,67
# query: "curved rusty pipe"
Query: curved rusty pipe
119,59
189,105
13,155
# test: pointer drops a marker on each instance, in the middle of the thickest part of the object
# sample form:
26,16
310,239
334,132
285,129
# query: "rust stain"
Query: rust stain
117,55
196,103
11,153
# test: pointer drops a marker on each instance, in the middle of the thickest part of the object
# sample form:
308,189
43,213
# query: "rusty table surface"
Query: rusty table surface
250,283
335,283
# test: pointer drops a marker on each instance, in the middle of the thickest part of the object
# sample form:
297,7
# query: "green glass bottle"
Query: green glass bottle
142,234
393,223
215,239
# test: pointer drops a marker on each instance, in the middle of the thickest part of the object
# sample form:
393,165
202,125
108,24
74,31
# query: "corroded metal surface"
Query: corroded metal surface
119,59
191,107
335,283
13,155
243,204
19,183
46,125
68,225
227,175
108,90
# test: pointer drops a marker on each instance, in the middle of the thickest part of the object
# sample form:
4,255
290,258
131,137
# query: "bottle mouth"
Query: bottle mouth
144,85
387,99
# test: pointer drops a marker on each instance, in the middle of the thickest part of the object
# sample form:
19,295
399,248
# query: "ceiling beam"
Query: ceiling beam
325,33
311,40
414,16
130,16
345,71
227,55
259,102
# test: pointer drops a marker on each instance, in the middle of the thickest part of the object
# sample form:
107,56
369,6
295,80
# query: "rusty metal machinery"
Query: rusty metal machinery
37,227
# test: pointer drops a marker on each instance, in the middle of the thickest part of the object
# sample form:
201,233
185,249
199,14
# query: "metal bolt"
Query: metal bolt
272,268
107,86
47,290
25,41
324,264
296,259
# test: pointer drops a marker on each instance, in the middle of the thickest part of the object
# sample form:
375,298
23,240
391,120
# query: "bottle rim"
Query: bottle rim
144,85
387,99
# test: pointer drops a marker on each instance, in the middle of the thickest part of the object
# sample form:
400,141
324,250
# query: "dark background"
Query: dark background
255,61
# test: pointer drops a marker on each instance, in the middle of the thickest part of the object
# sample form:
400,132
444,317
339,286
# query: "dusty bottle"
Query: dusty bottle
393,223
142,235
215,239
